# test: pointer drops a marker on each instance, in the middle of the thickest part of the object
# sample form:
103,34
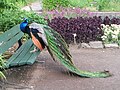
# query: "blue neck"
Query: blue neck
23,26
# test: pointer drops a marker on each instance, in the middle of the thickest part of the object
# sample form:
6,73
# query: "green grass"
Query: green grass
97,5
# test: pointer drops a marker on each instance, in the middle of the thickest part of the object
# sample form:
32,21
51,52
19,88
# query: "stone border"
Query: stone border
109,14
97,45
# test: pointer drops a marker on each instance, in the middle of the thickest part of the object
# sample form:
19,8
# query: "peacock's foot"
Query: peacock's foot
34,50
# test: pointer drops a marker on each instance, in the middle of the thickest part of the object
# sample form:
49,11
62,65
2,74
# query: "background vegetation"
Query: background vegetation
94,5
53,4
97,5
67,12
8,4
10,18
11,15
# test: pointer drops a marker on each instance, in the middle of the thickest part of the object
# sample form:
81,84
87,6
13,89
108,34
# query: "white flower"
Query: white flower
104,37
116,32
112,30
114,36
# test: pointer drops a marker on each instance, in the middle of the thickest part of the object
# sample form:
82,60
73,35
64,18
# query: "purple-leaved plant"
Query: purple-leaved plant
86,28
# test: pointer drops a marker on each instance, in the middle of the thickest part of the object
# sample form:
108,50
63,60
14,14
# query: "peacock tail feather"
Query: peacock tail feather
58,47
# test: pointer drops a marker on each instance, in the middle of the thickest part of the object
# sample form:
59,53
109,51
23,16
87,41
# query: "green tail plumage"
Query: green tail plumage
59,48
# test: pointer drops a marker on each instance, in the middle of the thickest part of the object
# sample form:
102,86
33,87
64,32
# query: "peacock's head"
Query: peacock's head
23,25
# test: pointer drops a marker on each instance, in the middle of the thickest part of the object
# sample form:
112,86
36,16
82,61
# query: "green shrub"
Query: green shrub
14,3
53,4
10,18
101,4
10,14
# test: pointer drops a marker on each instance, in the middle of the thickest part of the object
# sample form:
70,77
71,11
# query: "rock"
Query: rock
84,45
114,45
96,44
36,6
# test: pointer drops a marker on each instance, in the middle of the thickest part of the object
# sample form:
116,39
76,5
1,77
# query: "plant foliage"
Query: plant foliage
108,21
86,28
53,4
12,4
10,18
97,5
67,12
10,14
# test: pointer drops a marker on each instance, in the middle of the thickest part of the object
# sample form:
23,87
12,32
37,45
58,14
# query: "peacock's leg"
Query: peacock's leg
34,50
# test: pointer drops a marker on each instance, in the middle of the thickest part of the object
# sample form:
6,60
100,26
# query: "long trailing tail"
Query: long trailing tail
82,73
87,74
58,48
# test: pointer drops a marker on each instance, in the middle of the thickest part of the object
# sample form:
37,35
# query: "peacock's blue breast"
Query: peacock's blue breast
22,26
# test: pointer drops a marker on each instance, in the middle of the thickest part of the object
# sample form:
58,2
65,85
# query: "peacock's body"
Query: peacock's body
44,36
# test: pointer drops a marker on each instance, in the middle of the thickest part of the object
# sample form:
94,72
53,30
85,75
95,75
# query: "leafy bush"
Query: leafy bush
111,33
66,12
8,4
108,21
87,29
10,14
53,4
102,4
10,18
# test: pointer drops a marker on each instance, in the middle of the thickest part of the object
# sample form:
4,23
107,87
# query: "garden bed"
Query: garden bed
86,28
65,23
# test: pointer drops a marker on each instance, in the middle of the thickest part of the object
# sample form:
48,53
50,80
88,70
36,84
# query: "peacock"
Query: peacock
44,36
